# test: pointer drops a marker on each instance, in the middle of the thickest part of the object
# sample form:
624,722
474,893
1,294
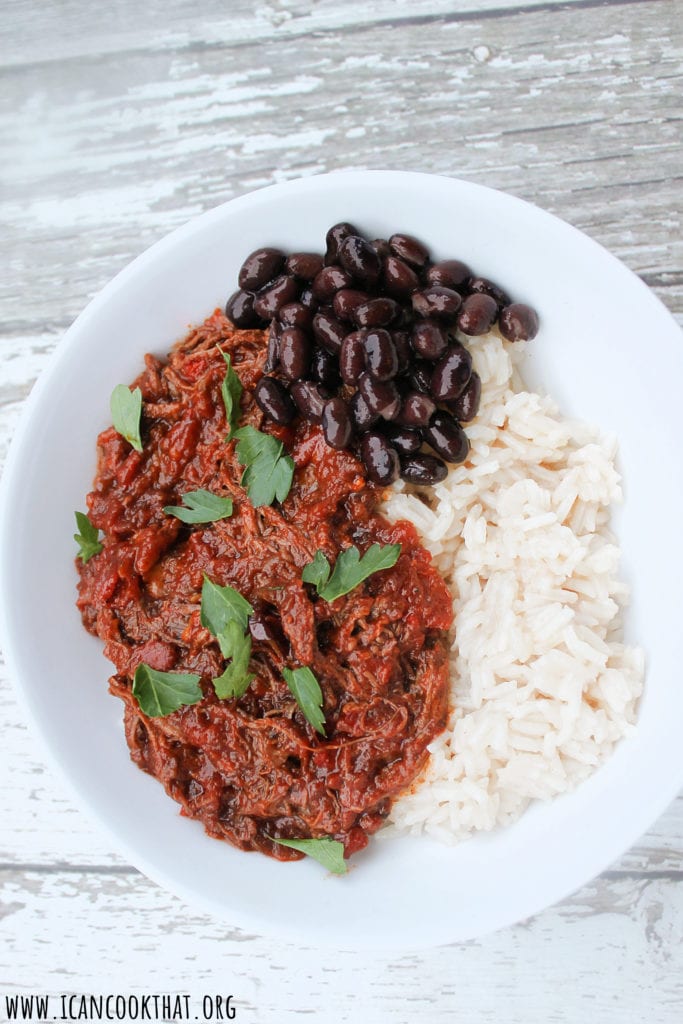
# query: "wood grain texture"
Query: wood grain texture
120,122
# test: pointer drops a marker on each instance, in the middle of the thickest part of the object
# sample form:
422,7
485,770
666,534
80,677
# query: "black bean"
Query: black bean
381,247
451,373
352,357
438,302
260,267
294,314
449,274
518,322
334,238
399,279
329,332
325,368
420,376
308,299
380,354
404,352
380,459
295,353
423,469
466,405
273,399
336,422
304,265
329,281
239,309
273,350
359,259
478,314
361,415
346,301
483,286
271,298
403,439
409,249
378,312
429,339
309,399
381,396
416,410
447,437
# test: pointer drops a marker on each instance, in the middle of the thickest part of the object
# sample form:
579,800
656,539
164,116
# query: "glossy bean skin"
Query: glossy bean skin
336,423
309,398
420,375
334,238
295,314
518,322
380,354
429,340
449,274
403,439
482,286
378,312
451,373
295,353
400,280
329,281
478,314
346,301
304,265
260,267
382,397
466,405
270,299
329,332
273,350
325,368
447,437
308,299
416,410
239,309
361,415
380,458
352,357
273,399
381,247
359,259
409,249
423,469
437,302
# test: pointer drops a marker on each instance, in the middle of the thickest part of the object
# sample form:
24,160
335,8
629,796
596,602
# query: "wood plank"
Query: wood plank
614,955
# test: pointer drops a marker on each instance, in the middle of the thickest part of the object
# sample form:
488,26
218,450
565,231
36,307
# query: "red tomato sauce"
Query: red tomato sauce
253,769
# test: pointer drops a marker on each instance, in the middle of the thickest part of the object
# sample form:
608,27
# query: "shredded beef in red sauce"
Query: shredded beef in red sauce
253,768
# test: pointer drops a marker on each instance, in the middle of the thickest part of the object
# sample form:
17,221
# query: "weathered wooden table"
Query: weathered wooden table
121,121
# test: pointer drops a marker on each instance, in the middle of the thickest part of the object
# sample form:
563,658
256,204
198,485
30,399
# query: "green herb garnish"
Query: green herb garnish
328,852
201,507
88,538
309,696
221,605
231,390
126,410
269,472
161,693
349,570
235,680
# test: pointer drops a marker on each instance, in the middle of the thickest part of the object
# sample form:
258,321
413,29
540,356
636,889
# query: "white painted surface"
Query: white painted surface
120,123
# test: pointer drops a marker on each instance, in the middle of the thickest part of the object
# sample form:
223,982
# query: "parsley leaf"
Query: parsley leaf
87,539
221,605
235,680
231,390
126,409
328,852
269,472
309,697
201,507
350,569
160,693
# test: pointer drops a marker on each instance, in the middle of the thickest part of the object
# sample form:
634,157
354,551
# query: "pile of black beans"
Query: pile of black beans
363,341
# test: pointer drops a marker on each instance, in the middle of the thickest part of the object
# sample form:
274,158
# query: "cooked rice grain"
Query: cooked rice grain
542,687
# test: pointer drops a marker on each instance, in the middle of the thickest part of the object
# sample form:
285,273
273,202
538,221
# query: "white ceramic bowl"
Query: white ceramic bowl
608,351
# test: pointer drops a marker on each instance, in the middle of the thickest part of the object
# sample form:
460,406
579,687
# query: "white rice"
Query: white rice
542,686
